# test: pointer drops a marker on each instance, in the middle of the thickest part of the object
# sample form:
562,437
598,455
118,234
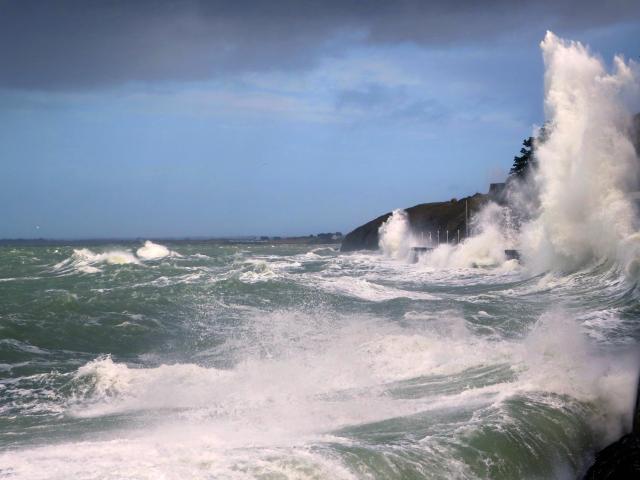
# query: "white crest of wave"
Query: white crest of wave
153,251
103,386
255,271
84,260
395,237
113,257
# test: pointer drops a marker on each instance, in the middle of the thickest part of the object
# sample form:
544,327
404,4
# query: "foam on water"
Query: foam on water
257,271
153,251
363,289
186,455
85,260
301,384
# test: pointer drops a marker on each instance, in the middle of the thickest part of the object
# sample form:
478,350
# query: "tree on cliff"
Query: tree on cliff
521,164
527,158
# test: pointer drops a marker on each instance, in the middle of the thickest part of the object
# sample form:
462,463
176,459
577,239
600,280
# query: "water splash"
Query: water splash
152,251
396,237
587,165
577,208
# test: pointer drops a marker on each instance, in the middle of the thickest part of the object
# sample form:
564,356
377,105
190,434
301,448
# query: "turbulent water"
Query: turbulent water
266,361
296,362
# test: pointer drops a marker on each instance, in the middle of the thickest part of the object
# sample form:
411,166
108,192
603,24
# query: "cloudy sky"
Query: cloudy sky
218,118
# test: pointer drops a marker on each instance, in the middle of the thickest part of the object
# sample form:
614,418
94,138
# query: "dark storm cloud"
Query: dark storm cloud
68,44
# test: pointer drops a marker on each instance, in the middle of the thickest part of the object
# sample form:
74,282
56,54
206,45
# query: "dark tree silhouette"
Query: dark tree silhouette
522,163
527,158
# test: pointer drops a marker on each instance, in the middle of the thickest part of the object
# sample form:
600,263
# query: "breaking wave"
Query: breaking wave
153,251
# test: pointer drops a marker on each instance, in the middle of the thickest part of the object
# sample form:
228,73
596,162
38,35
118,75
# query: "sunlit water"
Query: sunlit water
296,362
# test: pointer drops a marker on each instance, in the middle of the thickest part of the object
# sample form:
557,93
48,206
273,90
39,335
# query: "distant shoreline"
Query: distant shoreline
249,240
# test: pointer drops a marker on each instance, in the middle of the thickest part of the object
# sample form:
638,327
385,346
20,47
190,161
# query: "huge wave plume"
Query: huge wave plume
577,206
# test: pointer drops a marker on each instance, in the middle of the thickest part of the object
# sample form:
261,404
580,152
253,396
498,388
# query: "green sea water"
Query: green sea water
297,362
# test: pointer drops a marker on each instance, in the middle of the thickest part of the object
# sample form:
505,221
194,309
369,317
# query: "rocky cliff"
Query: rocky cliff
424,218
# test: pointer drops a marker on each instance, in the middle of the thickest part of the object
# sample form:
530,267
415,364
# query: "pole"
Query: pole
466,218
447,236
438,236
458,235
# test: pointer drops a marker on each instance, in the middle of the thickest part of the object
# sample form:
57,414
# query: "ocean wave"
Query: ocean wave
84,260
154,251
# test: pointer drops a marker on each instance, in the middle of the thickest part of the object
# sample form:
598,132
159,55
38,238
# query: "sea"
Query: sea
298,362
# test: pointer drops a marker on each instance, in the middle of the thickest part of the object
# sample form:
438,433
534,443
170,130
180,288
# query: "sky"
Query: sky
176,118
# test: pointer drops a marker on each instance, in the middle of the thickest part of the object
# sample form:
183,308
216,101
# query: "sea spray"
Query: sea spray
587,164
484,249
560,358
575,207
396,238
152,251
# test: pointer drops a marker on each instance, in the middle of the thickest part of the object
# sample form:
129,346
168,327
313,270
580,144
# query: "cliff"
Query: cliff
424,218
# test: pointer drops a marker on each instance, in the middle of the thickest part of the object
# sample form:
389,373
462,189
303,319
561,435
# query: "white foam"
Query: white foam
104,387
85,260
587,166
559,358
301,376
395,237
485,249
113,257
364,289
257,270
169,455
153,251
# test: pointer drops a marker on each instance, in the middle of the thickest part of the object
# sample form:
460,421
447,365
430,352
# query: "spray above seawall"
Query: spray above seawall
587,166
424,219
578,203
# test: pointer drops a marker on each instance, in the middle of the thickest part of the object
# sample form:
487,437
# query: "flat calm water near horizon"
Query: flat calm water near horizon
291,362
